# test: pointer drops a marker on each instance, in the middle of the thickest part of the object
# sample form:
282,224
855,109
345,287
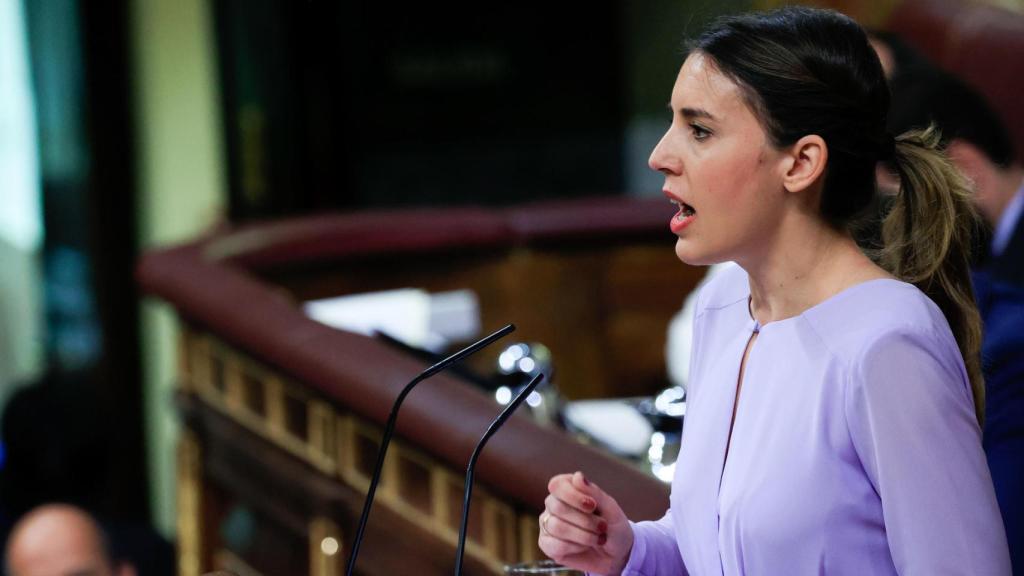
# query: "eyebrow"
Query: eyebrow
696,113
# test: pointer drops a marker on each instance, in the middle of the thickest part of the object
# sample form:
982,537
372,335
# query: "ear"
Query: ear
968,158
805,163
990,193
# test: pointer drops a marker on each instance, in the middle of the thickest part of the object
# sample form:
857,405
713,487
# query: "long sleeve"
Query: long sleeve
912,423
654,549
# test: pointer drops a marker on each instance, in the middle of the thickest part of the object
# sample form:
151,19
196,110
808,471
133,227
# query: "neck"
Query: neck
806,263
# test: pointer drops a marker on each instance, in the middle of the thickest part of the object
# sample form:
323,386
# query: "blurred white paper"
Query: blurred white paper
411,315
614,423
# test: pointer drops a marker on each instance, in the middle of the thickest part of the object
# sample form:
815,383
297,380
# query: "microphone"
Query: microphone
389,429
498,423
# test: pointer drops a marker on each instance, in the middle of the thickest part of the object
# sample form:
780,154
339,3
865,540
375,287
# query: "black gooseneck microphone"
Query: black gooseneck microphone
389,429
498,422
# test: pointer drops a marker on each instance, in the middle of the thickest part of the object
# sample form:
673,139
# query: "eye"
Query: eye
699,132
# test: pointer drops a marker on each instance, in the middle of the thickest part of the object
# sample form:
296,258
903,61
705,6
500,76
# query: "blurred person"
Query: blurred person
977,142
834,402
61,540
55,432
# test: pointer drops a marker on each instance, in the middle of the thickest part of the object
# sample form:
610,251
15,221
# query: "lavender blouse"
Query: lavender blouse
855,448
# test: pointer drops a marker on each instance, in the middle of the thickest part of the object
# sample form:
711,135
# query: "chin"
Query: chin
690,254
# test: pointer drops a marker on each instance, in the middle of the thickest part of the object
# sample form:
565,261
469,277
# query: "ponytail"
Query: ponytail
927,242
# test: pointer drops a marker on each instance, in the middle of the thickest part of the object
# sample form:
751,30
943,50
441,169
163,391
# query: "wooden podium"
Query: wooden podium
282,415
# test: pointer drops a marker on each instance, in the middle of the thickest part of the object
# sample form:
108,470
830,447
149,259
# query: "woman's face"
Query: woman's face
720,167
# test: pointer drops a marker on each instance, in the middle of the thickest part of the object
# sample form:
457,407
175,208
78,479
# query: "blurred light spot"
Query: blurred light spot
527,364
503,395
534,399
329,546
657,439
663,472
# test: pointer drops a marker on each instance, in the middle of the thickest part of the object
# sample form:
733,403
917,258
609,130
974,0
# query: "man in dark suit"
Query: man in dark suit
1002,309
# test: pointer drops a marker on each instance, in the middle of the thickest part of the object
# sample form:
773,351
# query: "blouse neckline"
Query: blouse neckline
756,325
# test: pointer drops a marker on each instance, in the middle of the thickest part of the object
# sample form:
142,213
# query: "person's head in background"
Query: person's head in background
898,58
974,135
61,540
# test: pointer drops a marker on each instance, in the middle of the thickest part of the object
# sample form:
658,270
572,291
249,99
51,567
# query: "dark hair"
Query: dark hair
931,96
811,71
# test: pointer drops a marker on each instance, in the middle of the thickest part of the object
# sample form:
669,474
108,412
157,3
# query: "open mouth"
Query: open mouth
685,210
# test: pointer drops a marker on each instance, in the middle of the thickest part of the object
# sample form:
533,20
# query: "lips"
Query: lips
684,216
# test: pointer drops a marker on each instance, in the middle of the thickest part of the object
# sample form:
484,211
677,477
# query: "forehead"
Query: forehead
57,543
701,85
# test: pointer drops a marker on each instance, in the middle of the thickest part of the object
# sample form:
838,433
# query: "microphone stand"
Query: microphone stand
498,422
389,429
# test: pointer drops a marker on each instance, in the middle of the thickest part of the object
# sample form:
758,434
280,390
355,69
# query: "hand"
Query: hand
584,528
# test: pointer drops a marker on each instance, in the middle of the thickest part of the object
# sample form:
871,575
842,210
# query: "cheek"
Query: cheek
734,182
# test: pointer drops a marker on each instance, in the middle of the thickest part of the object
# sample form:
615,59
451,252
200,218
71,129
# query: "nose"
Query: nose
663,159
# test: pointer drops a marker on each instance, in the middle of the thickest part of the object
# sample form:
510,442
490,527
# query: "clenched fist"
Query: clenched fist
584,528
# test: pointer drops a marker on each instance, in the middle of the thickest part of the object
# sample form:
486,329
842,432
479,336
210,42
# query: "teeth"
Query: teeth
684,209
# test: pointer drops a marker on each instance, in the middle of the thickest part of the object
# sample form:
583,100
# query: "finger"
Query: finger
592,561
557,549
558,480
565,490
580,482
605,505
586,521
564,530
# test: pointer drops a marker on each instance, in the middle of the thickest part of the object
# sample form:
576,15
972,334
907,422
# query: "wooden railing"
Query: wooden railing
283,415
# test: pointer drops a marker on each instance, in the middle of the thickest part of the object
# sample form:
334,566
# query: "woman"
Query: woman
835,399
